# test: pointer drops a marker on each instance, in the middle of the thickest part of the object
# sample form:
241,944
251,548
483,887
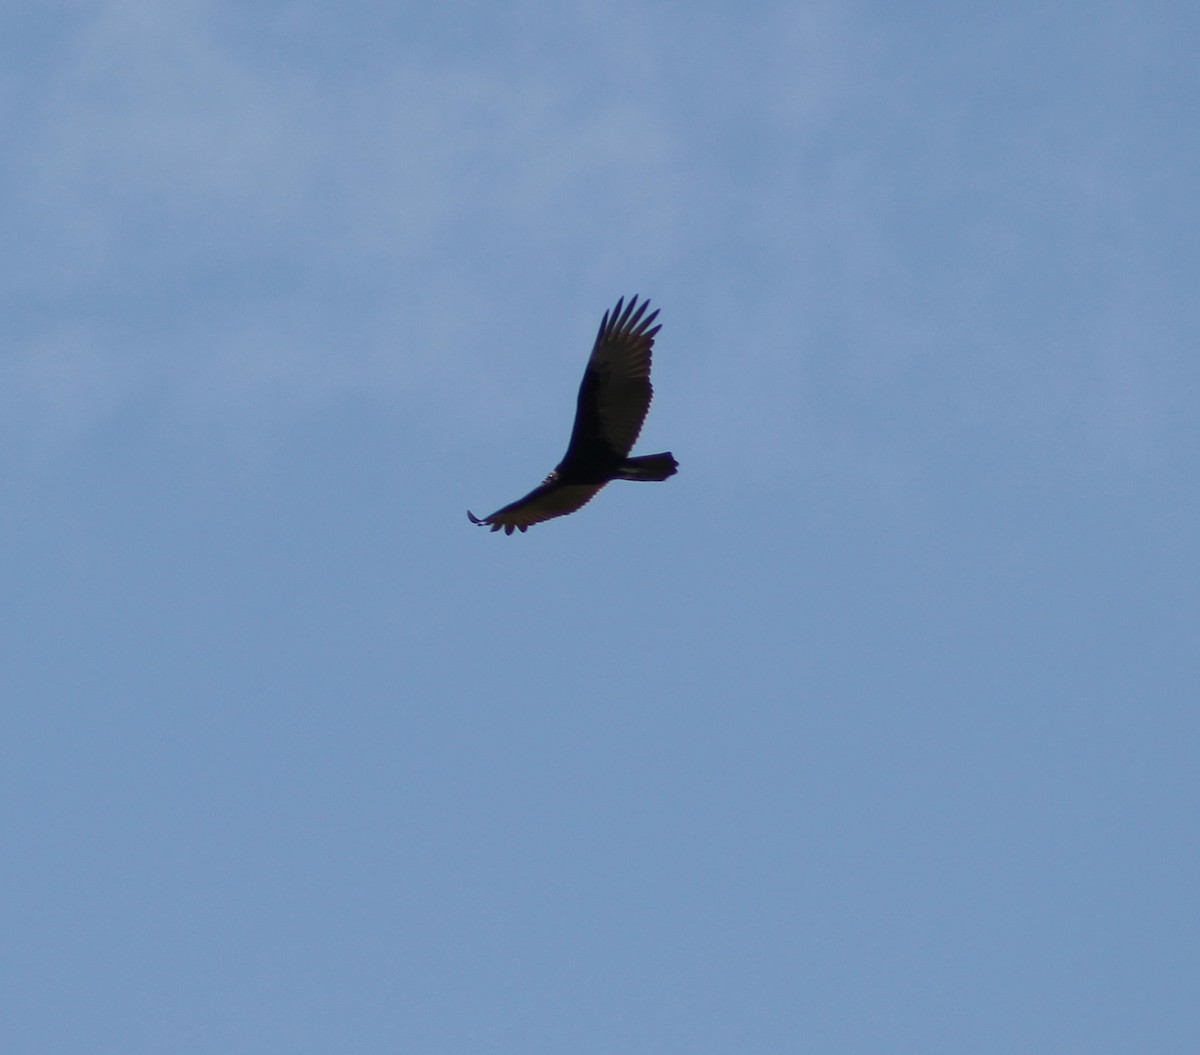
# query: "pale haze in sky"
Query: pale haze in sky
873,730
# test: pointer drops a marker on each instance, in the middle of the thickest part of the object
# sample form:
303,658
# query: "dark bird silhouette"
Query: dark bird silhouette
613,399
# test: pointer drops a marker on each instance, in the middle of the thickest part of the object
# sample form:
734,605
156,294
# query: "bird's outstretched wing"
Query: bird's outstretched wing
552,499
615,393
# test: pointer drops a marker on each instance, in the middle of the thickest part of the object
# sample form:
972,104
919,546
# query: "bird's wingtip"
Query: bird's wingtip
473,518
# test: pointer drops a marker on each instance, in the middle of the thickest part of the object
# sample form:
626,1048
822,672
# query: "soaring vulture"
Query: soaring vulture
613,399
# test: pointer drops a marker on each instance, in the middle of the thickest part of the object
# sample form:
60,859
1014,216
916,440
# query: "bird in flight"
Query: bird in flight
613,399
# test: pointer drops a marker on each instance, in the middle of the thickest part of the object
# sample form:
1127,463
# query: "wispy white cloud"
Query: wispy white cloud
865,251
169,174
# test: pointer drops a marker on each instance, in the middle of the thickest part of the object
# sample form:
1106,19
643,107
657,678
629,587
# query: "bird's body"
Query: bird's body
614,397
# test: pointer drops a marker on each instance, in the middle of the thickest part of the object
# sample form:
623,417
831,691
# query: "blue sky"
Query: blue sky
873,730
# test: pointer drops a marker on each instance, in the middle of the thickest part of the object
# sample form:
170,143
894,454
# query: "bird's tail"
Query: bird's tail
648,467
